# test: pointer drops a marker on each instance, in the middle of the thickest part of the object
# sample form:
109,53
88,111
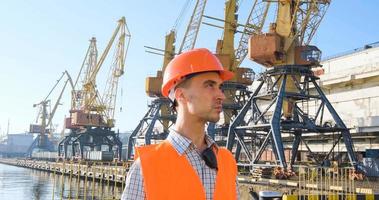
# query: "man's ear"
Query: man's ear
179,94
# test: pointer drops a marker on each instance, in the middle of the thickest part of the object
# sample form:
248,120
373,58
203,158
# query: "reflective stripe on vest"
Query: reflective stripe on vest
169,175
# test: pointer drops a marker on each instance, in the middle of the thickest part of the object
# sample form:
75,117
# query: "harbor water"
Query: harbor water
17,183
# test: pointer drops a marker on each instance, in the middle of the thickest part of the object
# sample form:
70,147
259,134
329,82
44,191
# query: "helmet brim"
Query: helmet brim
224,75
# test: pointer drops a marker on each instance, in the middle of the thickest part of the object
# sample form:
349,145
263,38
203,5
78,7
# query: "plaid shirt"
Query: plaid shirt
134,189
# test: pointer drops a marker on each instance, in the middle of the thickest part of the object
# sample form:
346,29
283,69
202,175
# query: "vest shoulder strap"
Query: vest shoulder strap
226,187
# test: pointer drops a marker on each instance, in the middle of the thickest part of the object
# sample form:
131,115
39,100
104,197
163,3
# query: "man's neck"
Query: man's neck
193,131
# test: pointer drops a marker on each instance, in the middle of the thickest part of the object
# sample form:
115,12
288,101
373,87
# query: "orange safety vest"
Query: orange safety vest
168,175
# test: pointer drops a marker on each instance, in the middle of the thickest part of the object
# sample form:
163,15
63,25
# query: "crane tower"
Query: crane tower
278,107
92,113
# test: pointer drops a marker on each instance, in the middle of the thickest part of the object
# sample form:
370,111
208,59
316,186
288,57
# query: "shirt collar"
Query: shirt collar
181,143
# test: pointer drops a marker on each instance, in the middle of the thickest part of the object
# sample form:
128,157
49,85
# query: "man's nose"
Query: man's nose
221,95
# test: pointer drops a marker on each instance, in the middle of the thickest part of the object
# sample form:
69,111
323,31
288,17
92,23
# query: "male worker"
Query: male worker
188,164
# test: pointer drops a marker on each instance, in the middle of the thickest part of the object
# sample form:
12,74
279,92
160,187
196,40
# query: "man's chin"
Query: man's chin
214,120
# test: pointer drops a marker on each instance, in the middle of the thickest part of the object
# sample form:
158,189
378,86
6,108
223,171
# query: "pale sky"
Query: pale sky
42,38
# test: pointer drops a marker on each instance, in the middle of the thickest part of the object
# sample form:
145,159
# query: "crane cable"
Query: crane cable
55,85
179,20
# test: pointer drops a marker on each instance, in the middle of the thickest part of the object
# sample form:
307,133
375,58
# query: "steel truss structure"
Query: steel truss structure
147,130
239,94
260,123
80,141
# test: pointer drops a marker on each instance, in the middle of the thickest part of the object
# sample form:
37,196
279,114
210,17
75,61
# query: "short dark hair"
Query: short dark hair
185,83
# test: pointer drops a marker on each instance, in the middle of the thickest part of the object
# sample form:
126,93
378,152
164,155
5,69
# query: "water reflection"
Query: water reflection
22,183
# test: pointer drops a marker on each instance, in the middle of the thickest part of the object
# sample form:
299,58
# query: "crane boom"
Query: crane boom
47,117
308,18
253,25
121,26
153,84
89,107
116,71
53,88
90,60
193,27
52,113
82,97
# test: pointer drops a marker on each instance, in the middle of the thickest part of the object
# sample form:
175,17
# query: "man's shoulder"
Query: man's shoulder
226,154
146,151
153,151
224,151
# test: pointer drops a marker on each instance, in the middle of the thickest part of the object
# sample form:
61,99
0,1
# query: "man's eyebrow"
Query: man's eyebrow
209,82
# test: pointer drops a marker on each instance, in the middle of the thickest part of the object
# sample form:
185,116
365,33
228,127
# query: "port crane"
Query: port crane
235,90
279,106
92,113
43,122
160,116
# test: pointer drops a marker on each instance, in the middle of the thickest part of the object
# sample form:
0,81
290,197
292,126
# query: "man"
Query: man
188,164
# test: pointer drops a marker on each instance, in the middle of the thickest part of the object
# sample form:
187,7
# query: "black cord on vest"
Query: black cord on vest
209,158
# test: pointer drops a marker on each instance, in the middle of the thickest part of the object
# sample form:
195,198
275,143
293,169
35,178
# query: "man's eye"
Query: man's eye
221,87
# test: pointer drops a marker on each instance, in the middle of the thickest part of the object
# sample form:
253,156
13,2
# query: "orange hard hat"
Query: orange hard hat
191,62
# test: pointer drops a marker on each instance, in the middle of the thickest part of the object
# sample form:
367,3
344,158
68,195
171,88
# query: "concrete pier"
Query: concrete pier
105,172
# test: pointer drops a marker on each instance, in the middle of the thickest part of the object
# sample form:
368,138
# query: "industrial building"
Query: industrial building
351,83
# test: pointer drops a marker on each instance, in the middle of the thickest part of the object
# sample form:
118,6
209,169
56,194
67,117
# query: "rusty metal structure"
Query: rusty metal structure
278,106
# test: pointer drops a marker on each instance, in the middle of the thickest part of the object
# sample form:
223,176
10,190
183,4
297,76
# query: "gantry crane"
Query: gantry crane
45,117
160,110
278,106
92,113
236,90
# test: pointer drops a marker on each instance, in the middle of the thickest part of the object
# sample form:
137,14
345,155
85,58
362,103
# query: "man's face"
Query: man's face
203,97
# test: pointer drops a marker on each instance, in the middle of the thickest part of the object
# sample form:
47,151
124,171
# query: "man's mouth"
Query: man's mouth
218,108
